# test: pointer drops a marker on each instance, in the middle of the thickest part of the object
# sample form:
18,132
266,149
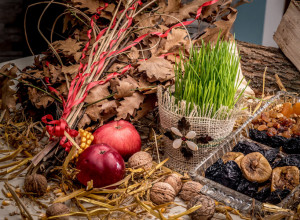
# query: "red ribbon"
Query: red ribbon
58,127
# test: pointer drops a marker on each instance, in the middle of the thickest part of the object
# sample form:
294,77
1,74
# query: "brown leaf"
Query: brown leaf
97,93
67,47
7,94
39,99
134,53
71,70
92,5
102,111
147,106
176,40
124,89
129,105
157,69
84,121
222,28
55,73
63,89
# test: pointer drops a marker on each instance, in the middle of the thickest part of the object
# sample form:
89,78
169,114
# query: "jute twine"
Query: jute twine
217,126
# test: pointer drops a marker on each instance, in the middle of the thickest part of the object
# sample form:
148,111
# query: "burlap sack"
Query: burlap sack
217,126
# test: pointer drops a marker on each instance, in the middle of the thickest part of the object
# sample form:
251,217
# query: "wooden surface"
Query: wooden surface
287,35
254,59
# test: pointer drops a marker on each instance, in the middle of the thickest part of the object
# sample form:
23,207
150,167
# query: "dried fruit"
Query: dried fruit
287,109
271,132
262,127
189,190
292,146
57,209
285,178
265,117
162,193
296,108
256,168
175,181
206,211
140,159
231,156
36,183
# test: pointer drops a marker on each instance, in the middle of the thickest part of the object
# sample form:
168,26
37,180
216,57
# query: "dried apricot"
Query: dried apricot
287,109
296,108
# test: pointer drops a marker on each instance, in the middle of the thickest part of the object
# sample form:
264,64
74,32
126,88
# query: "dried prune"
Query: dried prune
247,187
228,174
247,147
215,171
292,146
231,175
277,196
271,154
262,137
290,160
263,194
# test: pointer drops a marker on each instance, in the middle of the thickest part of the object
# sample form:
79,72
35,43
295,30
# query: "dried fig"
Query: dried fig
256,167
235,156
285,178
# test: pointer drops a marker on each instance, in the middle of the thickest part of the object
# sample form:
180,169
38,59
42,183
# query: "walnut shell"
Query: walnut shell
140,159
175,181
162,193
206,211
36,183
57,209
189,190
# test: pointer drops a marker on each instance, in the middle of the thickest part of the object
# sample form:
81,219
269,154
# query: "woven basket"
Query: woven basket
171,112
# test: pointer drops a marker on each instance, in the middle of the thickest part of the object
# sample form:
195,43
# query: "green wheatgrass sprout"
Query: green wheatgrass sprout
208,78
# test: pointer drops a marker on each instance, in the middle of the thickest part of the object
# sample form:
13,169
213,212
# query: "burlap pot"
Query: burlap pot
218,127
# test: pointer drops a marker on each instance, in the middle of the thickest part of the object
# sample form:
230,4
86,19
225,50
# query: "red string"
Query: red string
58,127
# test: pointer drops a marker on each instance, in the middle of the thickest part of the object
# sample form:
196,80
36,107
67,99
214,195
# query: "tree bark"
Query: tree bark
254,59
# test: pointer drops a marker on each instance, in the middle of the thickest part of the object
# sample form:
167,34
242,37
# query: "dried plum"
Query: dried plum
263,194
247,187
231,175
290,160
262,137
271,154
292,146
277,196
247,147
215,171
228,174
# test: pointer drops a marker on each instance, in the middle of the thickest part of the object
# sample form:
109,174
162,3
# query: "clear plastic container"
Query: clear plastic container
231,197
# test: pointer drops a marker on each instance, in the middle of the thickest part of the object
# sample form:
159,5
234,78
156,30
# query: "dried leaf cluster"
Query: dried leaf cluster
130,96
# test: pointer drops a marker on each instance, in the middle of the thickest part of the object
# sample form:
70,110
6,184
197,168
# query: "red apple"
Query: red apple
120,135
102,164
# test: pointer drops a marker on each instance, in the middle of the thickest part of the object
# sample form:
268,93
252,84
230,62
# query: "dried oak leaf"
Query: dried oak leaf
124,89
157,69
85,120
39,99
7,94
67,47
55,73
133,54
97,93
176,40
147,106
92,6
221,28
70,70
102,111
129,105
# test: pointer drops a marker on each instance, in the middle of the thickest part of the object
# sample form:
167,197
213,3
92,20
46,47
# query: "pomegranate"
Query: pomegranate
120,135
102,164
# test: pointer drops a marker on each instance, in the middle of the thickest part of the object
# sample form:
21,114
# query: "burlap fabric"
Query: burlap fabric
217,126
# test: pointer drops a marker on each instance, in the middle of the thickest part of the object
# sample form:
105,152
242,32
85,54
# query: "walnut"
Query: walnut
36,183
206,211
175,181
140,159
189,190
57,209
162,193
